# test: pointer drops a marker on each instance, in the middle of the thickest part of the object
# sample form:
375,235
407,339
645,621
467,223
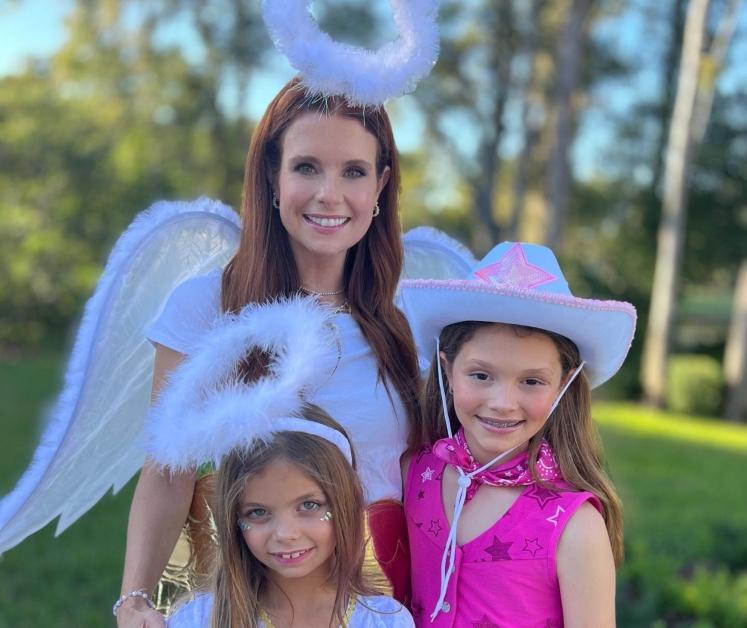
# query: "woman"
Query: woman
320,216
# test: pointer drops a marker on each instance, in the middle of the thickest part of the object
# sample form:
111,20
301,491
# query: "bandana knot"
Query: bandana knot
514,472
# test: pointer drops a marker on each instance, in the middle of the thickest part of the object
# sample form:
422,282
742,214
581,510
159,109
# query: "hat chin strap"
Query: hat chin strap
465,479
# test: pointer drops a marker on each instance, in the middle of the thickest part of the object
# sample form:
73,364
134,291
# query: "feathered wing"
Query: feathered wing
92,440
431,254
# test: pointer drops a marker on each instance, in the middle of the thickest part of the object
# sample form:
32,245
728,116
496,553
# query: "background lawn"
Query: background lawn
683,482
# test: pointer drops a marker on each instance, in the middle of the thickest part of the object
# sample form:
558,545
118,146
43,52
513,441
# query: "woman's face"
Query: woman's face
327,186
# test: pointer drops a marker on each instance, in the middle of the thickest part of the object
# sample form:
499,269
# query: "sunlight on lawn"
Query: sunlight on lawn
646,421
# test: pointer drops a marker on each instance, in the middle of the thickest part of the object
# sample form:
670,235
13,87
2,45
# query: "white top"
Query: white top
370,612
354,396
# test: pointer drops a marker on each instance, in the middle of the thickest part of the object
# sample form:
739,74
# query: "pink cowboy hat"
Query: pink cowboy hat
522,284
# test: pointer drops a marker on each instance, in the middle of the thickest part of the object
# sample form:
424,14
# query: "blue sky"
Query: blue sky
36,28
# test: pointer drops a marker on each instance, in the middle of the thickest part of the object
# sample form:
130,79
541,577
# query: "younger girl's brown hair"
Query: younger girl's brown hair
239,578
570,430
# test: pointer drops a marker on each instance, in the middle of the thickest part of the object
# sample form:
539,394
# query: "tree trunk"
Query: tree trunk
669,84
735,356
670,238
712,66
486,232
531,125
559,169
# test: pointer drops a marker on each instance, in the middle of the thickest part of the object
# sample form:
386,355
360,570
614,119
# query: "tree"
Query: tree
529,95
569,46
108,125
692,105
735,357
465,97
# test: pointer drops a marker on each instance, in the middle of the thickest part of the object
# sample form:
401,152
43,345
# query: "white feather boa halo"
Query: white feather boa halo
364,77
205,411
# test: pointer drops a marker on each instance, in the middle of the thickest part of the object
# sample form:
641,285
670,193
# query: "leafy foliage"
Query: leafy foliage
695,384
87,139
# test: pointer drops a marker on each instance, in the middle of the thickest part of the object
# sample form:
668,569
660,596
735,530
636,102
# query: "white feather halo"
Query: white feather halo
205,411
364,77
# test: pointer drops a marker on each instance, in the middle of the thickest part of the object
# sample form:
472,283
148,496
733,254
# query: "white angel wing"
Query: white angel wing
92,441
431,254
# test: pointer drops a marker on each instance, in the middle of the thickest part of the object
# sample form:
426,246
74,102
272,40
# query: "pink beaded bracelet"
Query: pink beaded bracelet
125,596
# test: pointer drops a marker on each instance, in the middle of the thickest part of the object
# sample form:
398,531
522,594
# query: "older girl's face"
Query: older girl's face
504,384
327,186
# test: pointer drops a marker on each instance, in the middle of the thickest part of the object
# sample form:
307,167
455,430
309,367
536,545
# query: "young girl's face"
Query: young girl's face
503,385
288,532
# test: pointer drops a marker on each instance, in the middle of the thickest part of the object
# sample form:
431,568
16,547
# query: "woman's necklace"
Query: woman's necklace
343,308
321,293
345,620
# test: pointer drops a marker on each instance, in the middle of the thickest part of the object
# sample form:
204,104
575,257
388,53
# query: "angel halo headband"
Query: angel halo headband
206,411
364,77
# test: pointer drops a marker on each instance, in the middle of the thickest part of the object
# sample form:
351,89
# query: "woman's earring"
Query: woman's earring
275,201
327,516
243,525
376,209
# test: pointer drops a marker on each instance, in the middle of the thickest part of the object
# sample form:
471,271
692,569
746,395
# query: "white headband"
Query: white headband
206,410
298,424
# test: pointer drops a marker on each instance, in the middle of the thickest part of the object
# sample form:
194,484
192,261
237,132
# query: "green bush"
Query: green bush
694,384
656,591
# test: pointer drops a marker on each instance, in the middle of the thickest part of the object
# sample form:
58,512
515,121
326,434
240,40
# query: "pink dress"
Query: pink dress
505,577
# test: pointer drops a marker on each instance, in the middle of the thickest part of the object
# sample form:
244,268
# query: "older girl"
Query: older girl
512,519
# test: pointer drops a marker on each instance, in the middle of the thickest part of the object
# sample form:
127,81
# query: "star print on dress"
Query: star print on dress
554,518
542,495
498,550
435,527
421,494
513,270
427,474
532,546
484,623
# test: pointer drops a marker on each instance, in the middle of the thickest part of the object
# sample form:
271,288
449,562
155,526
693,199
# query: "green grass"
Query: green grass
682,480
683,485
68,581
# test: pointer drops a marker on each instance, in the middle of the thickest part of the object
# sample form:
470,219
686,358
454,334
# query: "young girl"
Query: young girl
290,532
288,507
512,520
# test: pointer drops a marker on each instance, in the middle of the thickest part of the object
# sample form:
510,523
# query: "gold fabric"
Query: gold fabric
190,563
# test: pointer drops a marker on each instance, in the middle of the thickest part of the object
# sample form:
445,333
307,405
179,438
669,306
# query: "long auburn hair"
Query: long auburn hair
570,430
238,577
264,267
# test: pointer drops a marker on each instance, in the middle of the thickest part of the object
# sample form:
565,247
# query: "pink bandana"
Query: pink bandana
514,472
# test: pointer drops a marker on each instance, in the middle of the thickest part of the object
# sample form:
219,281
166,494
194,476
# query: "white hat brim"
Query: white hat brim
602,330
